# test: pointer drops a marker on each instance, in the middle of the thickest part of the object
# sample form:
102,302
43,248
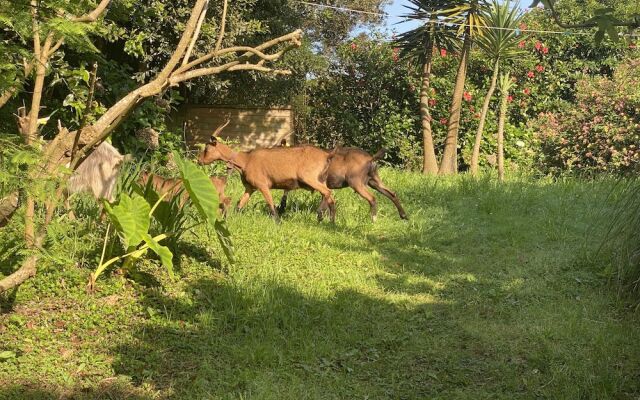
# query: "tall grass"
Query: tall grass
622,241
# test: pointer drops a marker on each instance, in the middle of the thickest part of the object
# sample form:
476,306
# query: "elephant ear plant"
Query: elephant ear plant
132,215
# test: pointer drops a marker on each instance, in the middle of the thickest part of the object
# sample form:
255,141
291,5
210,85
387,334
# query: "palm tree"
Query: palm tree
499,45
505,85
417,45
468,16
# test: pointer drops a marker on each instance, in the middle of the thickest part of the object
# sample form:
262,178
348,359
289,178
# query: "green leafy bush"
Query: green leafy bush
601,132
133,216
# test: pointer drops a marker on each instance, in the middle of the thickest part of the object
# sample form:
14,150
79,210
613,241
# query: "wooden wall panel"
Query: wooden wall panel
250,127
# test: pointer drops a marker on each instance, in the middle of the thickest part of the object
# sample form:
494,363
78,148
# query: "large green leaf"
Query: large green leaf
224,237
166,257
131,218
204,196
201,191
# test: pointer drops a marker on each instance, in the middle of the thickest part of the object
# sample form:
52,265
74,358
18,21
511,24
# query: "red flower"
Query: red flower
545,50
530,74
509,98
443,121
432,102
467,96
539,68
395,58
476,115
522,43
354,46
396,50
538,45
443,52
523,26
526,91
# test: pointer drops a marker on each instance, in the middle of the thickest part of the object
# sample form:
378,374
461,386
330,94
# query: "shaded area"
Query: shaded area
487,292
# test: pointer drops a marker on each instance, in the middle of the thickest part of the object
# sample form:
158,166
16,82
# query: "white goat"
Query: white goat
98,173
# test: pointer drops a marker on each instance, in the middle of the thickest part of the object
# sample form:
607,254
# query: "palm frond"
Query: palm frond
501,43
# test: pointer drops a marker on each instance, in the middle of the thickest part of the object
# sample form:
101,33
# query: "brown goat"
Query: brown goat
355,168
277,168
173,186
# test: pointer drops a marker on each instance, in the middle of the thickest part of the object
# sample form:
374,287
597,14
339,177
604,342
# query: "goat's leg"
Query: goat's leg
283,202
267,196
361,189
327,200
376,183
244,199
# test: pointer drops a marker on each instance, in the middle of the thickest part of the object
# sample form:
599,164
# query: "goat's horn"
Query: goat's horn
220,128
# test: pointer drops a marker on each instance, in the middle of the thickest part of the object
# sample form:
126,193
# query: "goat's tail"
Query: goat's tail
325,171
378,155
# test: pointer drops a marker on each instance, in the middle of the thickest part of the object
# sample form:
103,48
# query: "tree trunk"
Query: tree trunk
430,163
8,94
475,156
8,206
449,163
501,121
26,271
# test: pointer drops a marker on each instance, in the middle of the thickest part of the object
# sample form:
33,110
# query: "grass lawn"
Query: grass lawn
488,291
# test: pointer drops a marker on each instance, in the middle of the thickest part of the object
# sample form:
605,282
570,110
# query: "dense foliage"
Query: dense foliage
600,132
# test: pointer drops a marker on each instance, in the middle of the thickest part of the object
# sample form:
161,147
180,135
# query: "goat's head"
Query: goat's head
211,152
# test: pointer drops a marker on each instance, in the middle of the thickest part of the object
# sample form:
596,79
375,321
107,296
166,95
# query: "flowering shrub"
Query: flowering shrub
601,133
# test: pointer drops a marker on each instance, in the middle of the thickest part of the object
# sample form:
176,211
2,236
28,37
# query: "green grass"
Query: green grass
489,291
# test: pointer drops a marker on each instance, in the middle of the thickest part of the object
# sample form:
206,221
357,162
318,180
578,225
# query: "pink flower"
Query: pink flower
354,46
538,45
395,58
509,98
545,50
530,74
432,102
522,43
539,68
523,26
443,52
443,121
526,91
632,45
467,96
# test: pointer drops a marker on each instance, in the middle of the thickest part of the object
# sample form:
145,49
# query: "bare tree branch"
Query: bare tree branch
93,15
194,39
294,37
55,47
222,25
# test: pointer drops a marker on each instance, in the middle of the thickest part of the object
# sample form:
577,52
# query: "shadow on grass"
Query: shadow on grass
233,341
104,390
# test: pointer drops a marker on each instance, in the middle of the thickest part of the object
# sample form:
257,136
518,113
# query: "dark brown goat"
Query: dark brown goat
173,186
355,168
277,168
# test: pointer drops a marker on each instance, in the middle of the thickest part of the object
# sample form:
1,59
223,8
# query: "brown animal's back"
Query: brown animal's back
348,163
286,167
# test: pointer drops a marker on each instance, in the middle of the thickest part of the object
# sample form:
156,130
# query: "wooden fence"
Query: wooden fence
251,127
